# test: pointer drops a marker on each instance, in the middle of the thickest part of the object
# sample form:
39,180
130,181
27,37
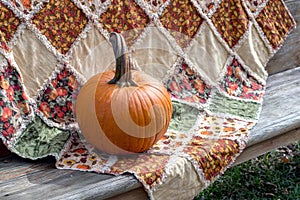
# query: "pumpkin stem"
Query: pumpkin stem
122,76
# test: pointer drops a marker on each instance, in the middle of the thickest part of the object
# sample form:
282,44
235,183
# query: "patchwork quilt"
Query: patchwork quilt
209,54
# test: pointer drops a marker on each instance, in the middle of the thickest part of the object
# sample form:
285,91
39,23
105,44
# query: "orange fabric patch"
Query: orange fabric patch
275,22
231,21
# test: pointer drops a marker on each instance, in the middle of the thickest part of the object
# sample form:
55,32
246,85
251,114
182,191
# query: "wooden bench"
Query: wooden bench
25,179
279,124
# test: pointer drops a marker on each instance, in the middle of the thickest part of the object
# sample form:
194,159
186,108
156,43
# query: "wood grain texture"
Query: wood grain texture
268,145
281,109
288,56
25,179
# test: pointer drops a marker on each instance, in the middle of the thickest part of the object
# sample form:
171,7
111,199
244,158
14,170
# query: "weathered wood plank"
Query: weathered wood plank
281,109
67,184
288,56
268,145
32,180
70,186
36,178
12,171
104,189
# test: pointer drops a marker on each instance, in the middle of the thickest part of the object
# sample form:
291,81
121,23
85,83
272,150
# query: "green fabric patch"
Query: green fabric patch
246,109
39,140
183,117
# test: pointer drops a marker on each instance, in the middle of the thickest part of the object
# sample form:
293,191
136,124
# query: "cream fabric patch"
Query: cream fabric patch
208,54
35,61
93,54
2,60
254,53
182,175
154,54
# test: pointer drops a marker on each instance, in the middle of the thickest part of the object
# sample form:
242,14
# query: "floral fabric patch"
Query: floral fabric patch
8,118
56,102
187,85
14,101
237,82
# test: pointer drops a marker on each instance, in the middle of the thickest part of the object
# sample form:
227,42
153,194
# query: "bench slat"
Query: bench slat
267,145
281,110
69,186
20,178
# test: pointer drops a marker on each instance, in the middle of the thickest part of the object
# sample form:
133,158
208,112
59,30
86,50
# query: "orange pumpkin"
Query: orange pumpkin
123,111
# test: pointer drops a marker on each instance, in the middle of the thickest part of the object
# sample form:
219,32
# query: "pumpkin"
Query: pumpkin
123,111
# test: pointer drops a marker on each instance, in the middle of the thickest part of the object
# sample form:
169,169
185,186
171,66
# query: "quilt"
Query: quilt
209,54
